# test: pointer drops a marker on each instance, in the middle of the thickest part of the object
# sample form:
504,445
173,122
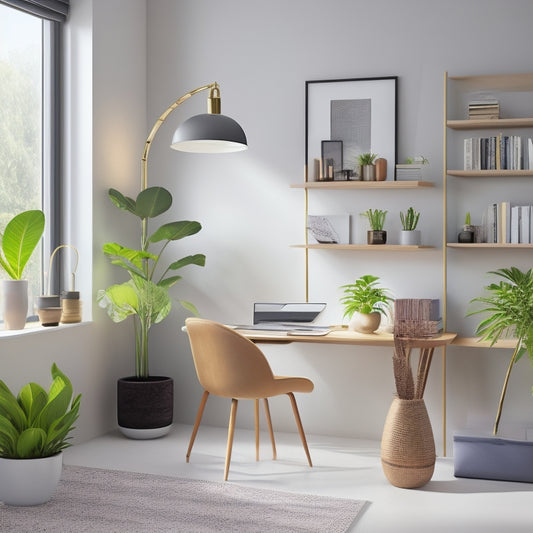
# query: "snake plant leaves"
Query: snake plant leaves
21,236
152,202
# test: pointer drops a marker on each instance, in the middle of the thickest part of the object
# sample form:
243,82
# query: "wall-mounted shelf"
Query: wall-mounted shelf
490,123
489,173
333,185
488,245
366,247
474,342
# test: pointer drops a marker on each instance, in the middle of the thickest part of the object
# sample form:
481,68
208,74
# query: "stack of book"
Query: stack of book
500,152
505,223
416,318
409,172
483,109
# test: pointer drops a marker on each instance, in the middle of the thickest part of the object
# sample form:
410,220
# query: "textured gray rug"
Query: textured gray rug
104,501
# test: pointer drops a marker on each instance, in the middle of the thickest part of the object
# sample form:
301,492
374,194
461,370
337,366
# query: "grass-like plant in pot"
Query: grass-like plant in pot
19,240
376,219
35,424
364,303
367,163
409,233
145,296
509,305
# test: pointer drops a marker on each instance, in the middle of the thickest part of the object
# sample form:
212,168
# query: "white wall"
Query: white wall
262,53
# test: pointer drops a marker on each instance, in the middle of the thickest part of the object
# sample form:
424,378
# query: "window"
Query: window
29,139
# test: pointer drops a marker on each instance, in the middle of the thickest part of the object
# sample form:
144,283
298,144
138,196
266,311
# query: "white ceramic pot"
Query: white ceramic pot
15,298
29,481
365,322
411,237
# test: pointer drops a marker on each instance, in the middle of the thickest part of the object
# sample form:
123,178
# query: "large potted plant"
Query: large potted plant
34,430
364,303
509,306
19,240
145,402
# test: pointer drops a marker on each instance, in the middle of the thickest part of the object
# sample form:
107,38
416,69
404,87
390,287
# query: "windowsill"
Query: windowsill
35,328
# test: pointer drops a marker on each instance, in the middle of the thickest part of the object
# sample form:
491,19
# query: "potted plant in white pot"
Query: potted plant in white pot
376,219
19,240
34,430
509,306
409,235
364,303
145,402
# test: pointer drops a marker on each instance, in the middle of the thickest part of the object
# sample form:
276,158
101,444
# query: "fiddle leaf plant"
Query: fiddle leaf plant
509,305
19,240
145,296
365,296
36,423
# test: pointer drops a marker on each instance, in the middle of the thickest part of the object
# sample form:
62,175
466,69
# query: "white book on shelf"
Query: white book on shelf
505,223
530,153
515,224
525,211
468,154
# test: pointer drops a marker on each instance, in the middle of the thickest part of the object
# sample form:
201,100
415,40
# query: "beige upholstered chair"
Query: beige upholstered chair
231,366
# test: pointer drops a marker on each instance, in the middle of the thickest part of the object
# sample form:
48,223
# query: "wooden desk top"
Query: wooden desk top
340,335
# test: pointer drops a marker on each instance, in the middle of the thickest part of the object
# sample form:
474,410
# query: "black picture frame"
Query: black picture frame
360,112
331,160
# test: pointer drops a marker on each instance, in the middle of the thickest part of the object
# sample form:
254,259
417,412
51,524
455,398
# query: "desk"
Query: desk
339,335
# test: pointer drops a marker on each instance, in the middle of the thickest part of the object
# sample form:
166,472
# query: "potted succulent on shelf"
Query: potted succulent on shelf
467,235
368,168
145,402
364,303
509,306
34,430
376,219
409,235
19,240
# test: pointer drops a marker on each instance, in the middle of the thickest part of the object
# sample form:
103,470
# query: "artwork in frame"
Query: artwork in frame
361,113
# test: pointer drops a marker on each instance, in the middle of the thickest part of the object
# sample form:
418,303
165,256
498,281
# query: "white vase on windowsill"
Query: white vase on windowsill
15,303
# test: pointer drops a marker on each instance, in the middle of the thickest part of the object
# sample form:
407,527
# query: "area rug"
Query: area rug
105,501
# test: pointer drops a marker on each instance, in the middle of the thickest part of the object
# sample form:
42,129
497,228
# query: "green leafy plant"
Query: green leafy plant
509,305
37,423
409,219
367,158
419,159
19,240
364,296
376,218
145,296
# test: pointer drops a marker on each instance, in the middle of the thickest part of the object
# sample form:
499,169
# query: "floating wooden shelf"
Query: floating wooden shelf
371,247
501,82
479,124
334,185
489,173
474,342
488,245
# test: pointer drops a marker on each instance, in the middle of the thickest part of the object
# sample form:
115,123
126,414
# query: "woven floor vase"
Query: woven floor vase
407,444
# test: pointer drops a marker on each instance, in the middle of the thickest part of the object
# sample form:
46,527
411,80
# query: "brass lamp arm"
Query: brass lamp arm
214,107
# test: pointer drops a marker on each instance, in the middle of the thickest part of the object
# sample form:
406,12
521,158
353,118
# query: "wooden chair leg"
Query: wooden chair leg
197,422
231,431
269,422
256,413
300,427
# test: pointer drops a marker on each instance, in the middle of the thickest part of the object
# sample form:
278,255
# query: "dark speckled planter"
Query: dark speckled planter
145,406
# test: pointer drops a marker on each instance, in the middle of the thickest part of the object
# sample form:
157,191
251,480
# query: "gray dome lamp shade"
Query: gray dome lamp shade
209,133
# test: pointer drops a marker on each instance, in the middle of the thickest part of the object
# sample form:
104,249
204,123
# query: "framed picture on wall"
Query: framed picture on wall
361,113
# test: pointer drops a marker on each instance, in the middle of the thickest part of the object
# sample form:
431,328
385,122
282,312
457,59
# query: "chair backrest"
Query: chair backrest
228,364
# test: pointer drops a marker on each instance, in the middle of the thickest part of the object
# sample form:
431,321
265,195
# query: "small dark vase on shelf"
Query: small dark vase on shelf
376,237
467,235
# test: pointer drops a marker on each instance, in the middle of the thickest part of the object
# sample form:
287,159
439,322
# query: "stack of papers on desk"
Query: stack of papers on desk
287,328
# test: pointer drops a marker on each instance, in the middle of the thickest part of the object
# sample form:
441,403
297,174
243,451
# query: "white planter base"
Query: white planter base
144,434
493,458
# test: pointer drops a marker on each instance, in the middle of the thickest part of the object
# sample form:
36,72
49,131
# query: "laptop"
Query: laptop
292,318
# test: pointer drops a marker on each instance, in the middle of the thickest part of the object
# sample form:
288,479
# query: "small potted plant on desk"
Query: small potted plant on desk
409,235
509,305
368,168
364,303
34,429
376,219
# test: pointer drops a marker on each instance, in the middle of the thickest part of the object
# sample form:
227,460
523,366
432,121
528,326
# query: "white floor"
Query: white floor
342,468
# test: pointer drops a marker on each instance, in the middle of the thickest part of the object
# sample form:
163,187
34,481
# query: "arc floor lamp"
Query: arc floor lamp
209,132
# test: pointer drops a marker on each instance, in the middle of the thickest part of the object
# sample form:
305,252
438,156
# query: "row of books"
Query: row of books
409,172
484,109
500,152
508,223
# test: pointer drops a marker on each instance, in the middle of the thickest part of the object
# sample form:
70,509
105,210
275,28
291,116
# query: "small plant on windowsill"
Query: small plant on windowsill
376,219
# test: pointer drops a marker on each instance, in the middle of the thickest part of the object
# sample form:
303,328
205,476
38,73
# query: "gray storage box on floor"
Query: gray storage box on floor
493,458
